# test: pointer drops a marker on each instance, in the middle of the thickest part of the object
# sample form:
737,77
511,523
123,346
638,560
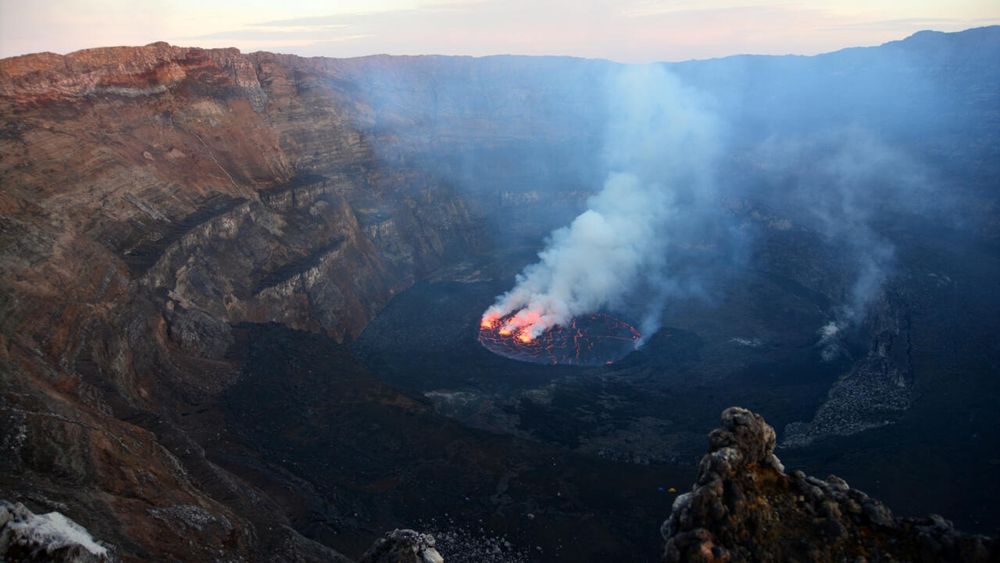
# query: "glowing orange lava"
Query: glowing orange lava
591,340
522,323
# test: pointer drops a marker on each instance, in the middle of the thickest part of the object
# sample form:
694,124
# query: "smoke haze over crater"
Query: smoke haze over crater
840,184
659,148
651,180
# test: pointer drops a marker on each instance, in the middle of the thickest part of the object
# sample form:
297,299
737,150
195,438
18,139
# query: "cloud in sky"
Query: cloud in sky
628,30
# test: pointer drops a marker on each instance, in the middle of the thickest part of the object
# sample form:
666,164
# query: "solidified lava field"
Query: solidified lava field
590,340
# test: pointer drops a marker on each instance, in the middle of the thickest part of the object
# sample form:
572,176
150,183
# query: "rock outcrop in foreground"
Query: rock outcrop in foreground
744,507
403,546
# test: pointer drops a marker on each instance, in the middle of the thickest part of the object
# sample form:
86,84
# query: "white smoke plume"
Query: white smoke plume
840,182
659,146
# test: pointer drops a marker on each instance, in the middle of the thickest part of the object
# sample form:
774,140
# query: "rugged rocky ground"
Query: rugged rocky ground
26,537
152,197
745,507
190,239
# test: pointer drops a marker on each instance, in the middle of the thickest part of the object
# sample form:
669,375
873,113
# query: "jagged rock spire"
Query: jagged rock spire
744,507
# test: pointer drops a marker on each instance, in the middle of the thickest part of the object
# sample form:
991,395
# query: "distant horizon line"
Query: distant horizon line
499,55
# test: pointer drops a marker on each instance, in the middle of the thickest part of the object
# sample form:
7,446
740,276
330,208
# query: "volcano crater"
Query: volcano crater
588,340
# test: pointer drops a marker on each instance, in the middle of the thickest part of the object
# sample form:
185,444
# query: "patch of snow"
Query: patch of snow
51,531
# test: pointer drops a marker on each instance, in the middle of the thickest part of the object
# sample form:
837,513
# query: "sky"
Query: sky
621,30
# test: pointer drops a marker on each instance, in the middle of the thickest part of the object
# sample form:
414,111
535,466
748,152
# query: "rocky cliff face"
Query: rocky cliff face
152,198
745,507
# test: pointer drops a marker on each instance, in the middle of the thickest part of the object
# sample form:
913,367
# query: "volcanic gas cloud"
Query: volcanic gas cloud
658,149
588,265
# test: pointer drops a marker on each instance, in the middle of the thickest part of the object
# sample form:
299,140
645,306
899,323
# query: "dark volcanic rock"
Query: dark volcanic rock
403,546
877,391
744,507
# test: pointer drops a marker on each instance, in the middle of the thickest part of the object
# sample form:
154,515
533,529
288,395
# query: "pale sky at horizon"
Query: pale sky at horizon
625,30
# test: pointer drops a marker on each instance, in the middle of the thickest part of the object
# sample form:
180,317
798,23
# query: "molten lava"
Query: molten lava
589,340
488,322
526,324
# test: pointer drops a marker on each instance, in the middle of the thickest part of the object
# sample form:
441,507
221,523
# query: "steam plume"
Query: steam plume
659,145
840,183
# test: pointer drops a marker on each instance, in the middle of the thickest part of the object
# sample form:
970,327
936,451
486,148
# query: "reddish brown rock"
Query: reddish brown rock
151,198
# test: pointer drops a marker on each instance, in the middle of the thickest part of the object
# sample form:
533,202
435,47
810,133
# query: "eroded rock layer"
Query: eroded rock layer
152,198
